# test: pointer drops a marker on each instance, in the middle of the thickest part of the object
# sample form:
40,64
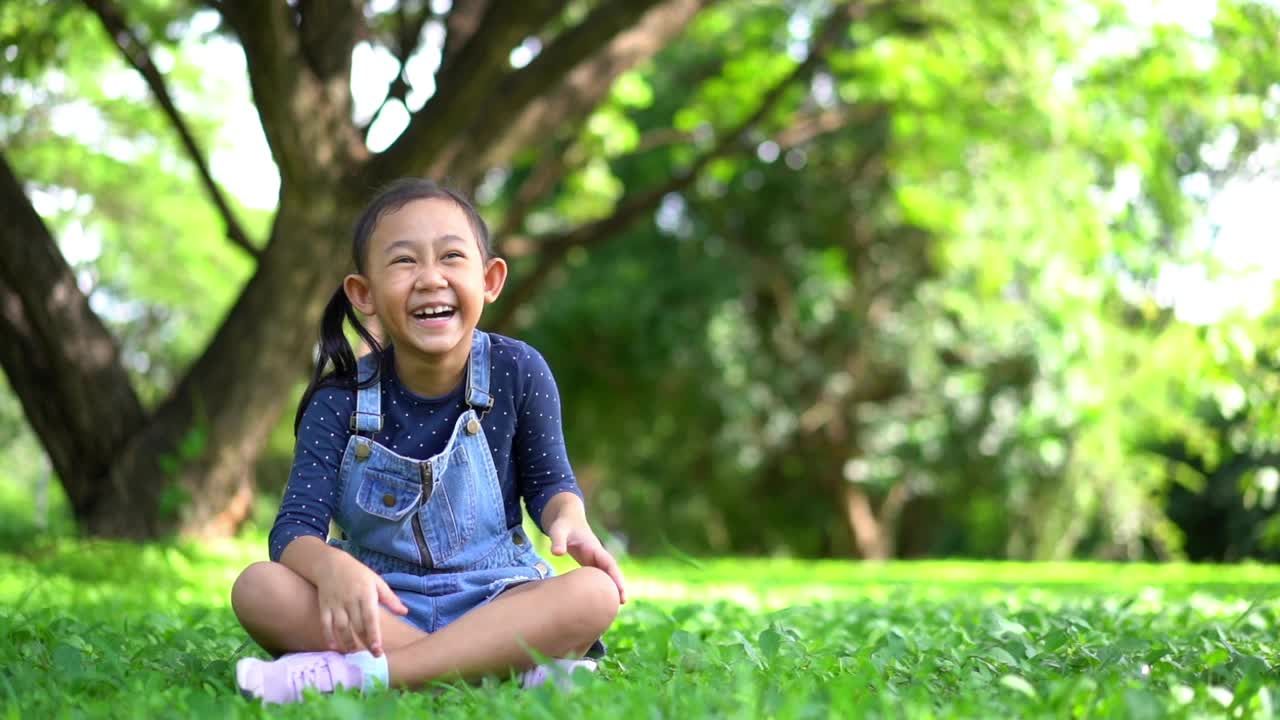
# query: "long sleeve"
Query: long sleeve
311,493
542,462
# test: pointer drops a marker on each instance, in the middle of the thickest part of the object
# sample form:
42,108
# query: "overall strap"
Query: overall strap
478,396
367,419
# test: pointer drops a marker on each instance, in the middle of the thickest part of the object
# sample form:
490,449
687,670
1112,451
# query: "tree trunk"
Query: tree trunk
868,535
874,534
190,468
61,361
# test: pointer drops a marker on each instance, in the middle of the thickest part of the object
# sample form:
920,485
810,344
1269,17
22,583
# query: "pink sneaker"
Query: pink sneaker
542,673
283,680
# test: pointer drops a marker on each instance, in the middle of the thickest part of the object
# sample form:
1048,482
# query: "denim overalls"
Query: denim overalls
434,529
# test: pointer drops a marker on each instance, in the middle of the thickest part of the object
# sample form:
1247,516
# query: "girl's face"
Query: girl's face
426,280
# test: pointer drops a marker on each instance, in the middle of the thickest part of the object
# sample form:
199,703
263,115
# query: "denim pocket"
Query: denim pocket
450,511
387,496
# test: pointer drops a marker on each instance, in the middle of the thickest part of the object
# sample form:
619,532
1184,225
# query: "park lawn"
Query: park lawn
111,630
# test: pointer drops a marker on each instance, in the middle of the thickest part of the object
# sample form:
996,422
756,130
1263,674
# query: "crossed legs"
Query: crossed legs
557,617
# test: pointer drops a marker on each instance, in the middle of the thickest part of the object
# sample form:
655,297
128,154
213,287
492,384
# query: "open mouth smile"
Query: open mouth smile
434,313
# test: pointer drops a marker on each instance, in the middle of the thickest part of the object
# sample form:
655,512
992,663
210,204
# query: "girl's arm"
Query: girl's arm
565,519
312,558
310,496
544,476
538,448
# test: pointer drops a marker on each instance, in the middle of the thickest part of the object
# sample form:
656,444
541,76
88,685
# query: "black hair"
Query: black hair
334,349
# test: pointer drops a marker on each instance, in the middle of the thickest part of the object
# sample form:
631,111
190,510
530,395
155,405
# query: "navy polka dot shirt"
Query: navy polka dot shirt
523,430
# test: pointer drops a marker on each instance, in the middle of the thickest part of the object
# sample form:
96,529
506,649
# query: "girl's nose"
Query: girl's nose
430,276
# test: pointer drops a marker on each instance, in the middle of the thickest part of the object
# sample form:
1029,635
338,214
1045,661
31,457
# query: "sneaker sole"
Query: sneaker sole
249,677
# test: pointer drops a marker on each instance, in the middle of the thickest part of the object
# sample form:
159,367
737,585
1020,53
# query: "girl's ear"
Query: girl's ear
356,287
495,276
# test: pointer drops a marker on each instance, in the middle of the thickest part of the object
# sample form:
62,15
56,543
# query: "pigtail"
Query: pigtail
336,351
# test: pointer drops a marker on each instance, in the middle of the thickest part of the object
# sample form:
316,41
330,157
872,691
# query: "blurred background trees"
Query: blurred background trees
872,279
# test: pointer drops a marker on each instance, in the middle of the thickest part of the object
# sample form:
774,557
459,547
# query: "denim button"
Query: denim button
389,500
473,426
362,451
541,568
517,538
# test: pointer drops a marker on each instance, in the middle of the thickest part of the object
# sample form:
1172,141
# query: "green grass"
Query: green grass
107,630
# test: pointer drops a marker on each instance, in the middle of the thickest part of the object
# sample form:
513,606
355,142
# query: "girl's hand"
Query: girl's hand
349,594
574,536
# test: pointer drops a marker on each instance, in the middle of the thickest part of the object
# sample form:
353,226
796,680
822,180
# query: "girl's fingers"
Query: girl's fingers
390,599
558,541
616,574
372,628
594,555
341,629
356,617
326,627
355,630
584,550
610,566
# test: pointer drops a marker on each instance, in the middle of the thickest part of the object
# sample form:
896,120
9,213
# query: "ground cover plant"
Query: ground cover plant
95,629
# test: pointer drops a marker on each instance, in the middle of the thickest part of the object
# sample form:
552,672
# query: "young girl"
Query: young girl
420,452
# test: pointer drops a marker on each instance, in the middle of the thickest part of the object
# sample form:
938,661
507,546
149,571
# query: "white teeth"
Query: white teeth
432,310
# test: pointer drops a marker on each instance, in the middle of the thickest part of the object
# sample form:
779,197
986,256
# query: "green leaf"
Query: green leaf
1215,657
1019,684
67,660
684,642
999,654
770,641
1141,704
1006,626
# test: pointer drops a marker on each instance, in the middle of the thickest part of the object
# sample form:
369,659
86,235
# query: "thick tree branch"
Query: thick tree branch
136,54
61,361
566,80
328,30
407,38
552,250
464,89
301,89
462,22
268,36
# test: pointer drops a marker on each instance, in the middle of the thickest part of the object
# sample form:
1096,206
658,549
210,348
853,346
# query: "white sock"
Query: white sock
374,669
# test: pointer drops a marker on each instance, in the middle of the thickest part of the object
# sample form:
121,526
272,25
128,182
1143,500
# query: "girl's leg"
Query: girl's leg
558,617
281,611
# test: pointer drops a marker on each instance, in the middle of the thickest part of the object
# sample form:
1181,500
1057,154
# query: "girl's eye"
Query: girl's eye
453,255
402,259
